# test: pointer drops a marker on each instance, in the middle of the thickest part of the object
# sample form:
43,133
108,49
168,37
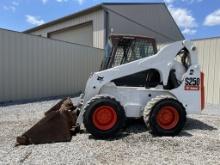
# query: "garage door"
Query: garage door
81,34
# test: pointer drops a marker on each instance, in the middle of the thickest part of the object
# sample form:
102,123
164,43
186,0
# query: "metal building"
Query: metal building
93,25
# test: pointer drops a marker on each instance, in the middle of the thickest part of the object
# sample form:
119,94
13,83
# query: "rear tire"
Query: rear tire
165,116
104,116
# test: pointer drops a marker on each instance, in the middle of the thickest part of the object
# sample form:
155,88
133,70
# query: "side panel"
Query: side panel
133,99
189,92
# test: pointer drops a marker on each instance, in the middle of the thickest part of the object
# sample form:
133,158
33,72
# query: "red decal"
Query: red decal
192,87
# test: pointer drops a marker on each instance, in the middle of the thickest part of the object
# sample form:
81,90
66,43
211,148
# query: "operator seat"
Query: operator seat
152,78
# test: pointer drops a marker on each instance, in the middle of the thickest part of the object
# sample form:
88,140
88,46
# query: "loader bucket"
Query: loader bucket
65,102
54,127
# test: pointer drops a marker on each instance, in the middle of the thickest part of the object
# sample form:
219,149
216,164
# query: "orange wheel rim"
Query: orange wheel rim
167,117
104,118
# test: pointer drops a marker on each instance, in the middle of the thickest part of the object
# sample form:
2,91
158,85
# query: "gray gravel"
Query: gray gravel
199,142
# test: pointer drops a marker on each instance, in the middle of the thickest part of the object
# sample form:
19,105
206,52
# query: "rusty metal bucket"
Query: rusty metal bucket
56,126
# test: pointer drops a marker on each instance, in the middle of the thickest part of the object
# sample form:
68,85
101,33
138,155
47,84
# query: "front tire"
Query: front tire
104,116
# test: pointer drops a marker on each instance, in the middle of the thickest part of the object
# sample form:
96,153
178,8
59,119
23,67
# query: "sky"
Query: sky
195,18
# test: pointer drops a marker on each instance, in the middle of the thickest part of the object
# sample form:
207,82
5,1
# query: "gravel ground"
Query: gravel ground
198,143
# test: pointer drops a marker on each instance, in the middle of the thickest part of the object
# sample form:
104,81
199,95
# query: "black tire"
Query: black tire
92,106
154,107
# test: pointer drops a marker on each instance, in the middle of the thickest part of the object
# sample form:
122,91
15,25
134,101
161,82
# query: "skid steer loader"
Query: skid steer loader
136,81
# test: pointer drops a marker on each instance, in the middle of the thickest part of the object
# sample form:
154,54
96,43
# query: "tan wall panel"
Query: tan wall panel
81,34
217,73
34,67
209,58
96,17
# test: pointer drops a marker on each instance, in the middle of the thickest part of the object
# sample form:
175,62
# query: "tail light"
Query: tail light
202,91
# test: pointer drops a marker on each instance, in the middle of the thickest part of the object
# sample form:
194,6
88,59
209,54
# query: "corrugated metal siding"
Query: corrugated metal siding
209,58
137,19
34,67
97,19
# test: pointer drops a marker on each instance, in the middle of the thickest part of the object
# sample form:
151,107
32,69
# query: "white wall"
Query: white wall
33,67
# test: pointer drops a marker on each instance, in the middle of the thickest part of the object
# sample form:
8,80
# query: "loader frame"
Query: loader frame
101,82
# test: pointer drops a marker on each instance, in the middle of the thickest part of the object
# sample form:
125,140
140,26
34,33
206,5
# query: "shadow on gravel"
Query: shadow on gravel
137,126
193,124
132,126
183,133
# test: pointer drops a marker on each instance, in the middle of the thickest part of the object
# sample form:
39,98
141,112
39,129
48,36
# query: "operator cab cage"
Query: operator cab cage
121,49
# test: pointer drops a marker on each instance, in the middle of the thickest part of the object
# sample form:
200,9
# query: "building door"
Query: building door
80,34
